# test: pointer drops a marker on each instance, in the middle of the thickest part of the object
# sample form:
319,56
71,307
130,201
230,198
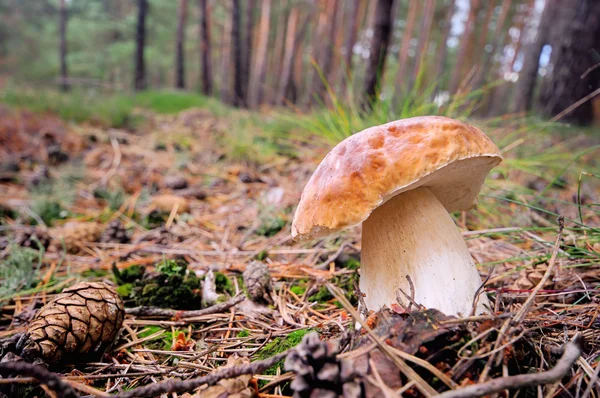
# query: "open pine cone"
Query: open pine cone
74,234
33,238
115,232
82,320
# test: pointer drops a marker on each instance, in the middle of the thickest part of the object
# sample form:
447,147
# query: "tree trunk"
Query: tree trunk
225,88
352,24
401,78
286,69
465,48
423,46
180,44
260,62
496,42
317,45
529,71
64,76
575,74
205,48
443,47
248,47
322,79
379,45
239,98
140,42
276,56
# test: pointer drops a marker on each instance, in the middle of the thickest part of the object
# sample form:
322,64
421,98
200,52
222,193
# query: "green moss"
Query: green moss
48,210
171,267
352,264
262,256
298,290
94,273
271,226
162,342
278,345
223,284
125,290
322,296
129,274
243,333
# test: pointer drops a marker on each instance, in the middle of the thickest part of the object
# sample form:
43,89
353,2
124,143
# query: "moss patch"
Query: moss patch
279,345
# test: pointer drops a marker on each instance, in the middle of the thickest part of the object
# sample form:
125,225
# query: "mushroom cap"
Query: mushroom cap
367,169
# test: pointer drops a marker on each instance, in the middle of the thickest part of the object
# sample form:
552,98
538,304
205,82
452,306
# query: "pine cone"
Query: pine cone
258,281
115,232
318,371
33,238
82,320
74,234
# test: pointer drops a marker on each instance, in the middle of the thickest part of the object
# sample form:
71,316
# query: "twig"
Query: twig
571,353
169,313
180,386
44,376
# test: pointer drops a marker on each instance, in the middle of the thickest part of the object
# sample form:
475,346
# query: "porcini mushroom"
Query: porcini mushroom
401,180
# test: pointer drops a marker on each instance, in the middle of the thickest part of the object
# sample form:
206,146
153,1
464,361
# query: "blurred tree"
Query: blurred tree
64,76
423,45
239,97
401,78
531,61
140,42
226,49
258,71
205,48
286,69
325,54
575,76
463,65
248,47
442,53
379,45
352,24
180,44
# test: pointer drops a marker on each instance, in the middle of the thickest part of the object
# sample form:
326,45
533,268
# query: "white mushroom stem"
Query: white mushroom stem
413,235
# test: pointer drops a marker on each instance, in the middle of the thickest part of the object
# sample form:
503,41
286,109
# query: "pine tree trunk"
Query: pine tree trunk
286,70
239,98
64,76
313,78
496,42
259,72
322,79
401,78
225,68
205,48
248,47
573,77
463,64
379,46
352,23
423,46
443,46
180,44
140,42
529,72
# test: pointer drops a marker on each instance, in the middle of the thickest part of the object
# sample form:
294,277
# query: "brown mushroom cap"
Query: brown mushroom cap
368,168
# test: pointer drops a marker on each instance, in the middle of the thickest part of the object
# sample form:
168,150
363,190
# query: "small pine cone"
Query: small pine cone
82,320
74,234
115,232
318,371
258,281
33,238
175,182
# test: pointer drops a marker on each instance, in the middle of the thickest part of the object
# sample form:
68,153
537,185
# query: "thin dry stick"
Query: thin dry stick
44,376
169,313
421,384
571,353
180,386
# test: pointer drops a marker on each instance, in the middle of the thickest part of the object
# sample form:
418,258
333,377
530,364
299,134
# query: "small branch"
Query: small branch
169,313
571,353
44,376
180,386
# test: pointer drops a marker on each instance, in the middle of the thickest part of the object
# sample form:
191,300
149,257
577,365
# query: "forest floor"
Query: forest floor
194,194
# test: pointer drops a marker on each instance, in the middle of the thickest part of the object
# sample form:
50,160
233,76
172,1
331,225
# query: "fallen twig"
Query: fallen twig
44,376
169,313
571,353
179,386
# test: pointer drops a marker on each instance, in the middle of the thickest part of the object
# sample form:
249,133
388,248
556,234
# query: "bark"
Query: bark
286,69
529,72
413,11
276,57
317,49
180,44
379,46
225,88
462,65
248,47
352,24
260,62
496,42
324,78
479,50
443,47
140,43
423,46
64,75
205,48
573,77
527,15
239,97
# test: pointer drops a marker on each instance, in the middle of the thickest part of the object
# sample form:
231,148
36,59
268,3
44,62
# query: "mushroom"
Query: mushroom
401,180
